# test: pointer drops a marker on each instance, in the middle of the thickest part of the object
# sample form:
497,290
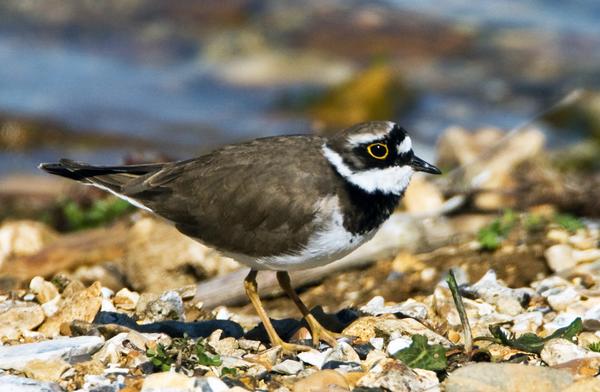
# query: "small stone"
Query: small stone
398,344
559,236
314,357
126,299
23,384
44,291
23,238
168,381
81,305
227,346
169,306
507,377
393,375
377,343
17,317
584,339
249,345
324,380
288,367
210,384
527,322
557,351
563,298
343,352
46,370
409,308
422,196
17,357
560,257
506,300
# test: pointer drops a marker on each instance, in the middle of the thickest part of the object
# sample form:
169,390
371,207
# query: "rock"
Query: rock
288,367
563,298
169,306
422,196
398,344
44,291
46,370
80,305
168,258
126,299
22,384
366,328
168,381
343,352
17,317
527,322
17,357
585,385
408,308
324,380
560,257
582,367
377,343
210,384
496,377
314,357
393,375
227,346
506,300
23,238
250,345
557,351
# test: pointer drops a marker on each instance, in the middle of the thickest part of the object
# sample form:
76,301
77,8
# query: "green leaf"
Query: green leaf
491,236
531,342
229,372
422,355
205,358
569,222
595,347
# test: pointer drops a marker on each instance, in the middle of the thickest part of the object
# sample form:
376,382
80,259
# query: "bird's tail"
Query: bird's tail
110,178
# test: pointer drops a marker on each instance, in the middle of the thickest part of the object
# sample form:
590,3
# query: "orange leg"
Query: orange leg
252,293
317,330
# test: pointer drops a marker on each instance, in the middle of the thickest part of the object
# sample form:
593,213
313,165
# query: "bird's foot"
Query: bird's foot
291,348
321,334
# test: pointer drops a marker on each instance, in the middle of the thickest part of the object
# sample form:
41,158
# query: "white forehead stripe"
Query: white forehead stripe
389,180
405,146
357,140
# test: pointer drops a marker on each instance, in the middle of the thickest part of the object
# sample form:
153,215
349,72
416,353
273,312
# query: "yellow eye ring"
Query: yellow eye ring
378,151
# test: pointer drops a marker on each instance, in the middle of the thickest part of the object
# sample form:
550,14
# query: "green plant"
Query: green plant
534,222
159,358
594,347
531,342
420,354
100,212
492,236
568,222
205,358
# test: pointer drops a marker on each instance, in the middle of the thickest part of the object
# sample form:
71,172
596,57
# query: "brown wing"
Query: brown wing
255,198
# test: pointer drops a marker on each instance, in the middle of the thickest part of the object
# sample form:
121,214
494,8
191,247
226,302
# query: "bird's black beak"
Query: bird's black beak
420,165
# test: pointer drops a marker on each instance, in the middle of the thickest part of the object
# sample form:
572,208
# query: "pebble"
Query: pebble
17,317
560,257
80,305
511,377
393,375
17,357
557,351
506,300
46,370
343,352
563,298
408,308
126,299
398,344
167,381
23,384
377,343
169,306
324,380
44,291
314,357
288,367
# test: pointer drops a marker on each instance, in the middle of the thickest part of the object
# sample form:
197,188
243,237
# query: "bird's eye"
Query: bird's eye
378,150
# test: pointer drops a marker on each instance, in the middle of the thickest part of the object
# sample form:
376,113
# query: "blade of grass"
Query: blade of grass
460,307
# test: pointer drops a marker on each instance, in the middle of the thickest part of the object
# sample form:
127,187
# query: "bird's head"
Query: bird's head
375,156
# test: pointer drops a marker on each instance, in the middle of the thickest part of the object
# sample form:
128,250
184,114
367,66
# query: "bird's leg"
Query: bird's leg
252,293
317,330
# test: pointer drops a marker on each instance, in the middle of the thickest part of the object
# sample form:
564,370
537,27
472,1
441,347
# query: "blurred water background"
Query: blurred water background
98,81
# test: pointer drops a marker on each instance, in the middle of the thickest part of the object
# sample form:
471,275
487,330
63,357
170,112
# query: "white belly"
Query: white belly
325,246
